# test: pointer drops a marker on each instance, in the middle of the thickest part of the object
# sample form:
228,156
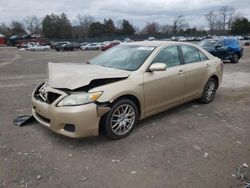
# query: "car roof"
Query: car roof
155,43
223,38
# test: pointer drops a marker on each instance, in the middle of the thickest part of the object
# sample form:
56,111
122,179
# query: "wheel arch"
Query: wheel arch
216,78
133,98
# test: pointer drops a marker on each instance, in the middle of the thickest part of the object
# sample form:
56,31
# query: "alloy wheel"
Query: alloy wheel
211,90
122,119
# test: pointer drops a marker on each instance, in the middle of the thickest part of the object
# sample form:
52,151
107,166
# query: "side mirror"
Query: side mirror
158,67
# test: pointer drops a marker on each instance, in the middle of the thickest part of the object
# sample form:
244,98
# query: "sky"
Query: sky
138,12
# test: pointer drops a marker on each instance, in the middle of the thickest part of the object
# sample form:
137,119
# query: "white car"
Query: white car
182,39
91,46
39,48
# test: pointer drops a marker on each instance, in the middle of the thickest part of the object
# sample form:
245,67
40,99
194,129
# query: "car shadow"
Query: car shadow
147,121
102,140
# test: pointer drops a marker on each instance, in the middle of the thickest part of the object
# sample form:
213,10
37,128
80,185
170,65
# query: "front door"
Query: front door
164,88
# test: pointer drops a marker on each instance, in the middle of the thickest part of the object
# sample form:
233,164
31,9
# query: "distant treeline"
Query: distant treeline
223,21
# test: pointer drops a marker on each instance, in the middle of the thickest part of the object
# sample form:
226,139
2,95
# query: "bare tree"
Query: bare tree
17,28
179,23
151,28
211,19
4,29
84,24
227,14
168,29
32,24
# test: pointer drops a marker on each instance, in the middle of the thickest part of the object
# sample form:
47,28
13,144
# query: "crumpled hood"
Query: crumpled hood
75,75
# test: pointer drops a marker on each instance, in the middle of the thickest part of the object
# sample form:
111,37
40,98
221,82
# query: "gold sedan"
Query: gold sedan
125,84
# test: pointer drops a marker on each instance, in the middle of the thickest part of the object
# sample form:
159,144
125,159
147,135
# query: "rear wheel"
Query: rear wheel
235,58
121,119
209,91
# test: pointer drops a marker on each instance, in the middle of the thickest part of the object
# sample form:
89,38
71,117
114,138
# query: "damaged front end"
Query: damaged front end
68,102
79,96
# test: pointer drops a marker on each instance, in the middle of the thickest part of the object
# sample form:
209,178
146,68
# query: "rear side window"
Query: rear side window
169,56
202,56
190,54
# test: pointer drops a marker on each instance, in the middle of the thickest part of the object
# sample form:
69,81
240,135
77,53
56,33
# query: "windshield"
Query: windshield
208,43
125,57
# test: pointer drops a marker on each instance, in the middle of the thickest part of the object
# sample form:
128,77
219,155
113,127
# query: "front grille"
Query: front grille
51,97
45,96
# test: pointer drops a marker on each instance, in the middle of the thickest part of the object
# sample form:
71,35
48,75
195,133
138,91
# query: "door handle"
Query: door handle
208,65
180,72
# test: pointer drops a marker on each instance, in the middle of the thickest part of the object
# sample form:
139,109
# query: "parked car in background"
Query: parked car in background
57,44
239,37
2,39
26,45
174,38
182,39
110,45
67,47
127,83
225,48
151,38
127,40
38,48
199,38
90,46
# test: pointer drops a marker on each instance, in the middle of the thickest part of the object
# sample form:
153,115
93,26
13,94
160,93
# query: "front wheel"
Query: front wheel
120,120
209,91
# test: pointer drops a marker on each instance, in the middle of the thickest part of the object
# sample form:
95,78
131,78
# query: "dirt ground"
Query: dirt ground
193,145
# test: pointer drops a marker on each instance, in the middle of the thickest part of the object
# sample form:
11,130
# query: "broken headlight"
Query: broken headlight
75,99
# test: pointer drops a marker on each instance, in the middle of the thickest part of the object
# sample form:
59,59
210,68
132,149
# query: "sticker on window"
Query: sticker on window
146,48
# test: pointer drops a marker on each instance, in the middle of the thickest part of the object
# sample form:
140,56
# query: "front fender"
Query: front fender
133,85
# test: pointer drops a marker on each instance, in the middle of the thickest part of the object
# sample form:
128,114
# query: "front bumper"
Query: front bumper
84,118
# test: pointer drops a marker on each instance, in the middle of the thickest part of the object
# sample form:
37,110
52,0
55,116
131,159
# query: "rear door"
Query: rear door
221,51
196,68
164,88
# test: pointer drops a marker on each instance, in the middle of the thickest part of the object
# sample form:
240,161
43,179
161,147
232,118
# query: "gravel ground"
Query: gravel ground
193,145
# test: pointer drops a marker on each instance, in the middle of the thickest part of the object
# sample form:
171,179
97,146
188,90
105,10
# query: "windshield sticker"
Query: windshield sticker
146,48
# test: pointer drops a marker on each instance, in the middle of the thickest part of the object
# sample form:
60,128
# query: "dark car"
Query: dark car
227,48
57,44
67,47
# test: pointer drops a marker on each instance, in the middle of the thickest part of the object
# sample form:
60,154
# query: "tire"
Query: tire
116,124
235,58
209,91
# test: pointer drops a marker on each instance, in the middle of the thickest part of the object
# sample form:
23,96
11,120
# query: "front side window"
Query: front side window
169,56
190,54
